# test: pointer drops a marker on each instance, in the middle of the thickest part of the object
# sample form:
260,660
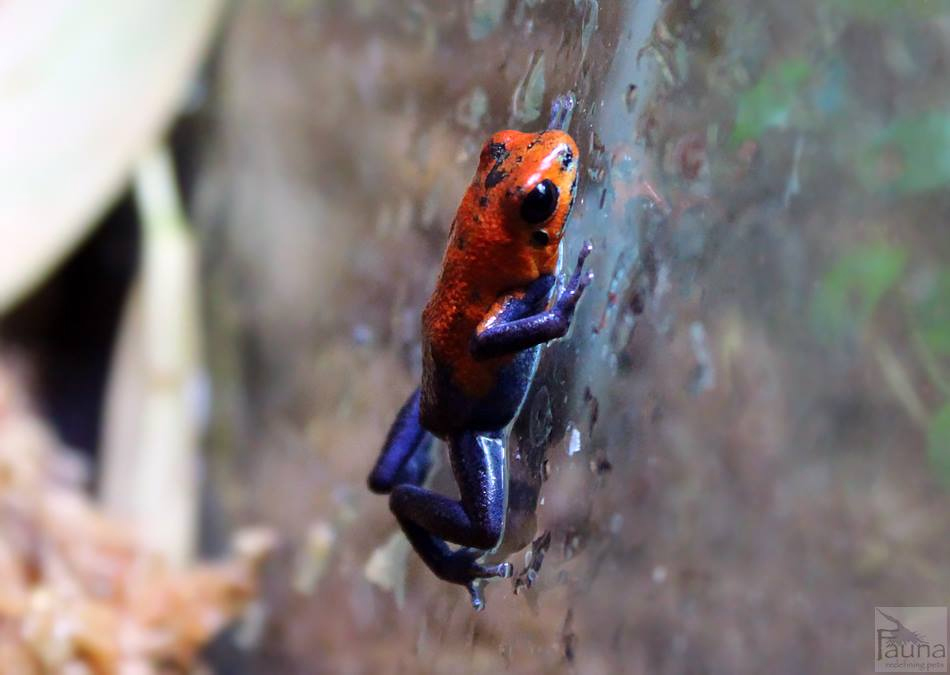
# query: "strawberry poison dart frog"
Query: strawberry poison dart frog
492,308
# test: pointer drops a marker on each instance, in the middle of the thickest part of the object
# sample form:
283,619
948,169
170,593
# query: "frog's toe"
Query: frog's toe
478,595
477,585
503,570
480,571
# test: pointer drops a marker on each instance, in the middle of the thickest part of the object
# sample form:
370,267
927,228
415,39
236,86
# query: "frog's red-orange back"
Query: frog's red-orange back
506,234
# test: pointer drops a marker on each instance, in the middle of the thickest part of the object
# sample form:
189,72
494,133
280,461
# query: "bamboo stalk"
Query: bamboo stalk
152,413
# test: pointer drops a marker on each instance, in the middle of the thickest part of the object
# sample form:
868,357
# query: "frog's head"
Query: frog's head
525,186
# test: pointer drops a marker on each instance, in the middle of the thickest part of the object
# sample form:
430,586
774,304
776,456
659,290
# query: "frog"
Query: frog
494,306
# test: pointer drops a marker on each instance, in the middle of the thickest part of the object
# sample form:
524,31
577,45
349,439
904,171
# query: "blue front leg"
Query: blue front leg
512,336
475,521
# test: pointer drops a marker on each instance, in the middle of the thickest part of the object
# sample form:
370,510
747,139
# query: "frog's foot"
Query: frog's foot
568,298
503,570
475,589
561,109
462,567
480,574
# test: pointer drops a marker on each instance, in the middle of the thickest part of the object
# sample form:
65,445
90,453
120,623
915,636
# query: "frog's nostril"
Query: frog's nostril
567,159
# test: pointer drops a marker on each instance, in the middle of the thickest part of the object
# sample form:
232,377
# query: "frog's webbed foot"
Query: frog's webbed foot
476,587
462,567
457,567
479,573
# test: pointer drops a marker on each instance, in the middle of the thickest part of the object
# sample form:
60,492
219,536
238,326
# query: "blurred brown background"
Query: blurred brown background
746,440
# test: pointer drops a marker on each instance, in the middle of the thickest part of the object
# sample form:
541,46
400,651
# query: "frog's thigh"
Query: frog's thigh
477,519
478,462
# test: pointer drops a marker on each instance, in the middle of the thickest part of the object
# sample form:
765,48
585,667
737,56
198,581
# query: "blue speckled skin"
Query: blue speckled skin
405,457
474,432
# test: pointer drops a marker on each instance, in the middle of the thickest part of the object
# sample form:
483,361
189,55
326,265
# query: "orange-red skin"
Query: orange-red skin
490,254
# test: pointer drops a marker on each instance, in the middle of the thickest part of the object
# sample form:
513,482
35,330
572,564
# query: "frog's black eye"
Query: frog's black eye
540,203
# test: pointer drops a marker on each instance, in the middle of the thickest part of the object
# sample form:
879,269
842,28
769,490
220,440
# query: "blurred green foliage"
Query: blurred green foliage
932,315
938,443
768,103
529,96
890,9
845,302
911,155
485,17
849,293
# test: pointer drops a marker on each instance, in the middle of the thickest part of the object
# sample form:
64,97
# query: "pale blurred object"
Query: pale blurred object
150,440
386,566
86,88
314,556
80,592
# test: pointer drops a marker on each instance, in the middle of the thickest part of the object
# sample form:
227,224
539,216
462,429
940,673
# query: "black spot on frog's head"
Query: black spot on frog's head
497,151
495,176
494,155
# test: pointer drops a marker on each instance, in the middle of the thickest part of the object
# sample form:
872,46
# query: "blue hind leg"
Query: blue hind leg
475,521
405,457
